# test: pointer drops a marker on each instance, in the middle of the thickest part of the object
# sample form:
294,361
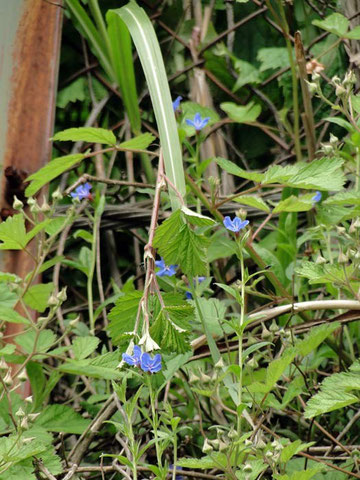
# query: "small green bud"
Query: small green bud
45,207
232,434
215,443
74,322
57,195
333,140
207,448
274,327
313,87
33,416
61,296
248,468
266,334
193,378
340,90
22,376
17,204
20,413
24,424
53,301
8,379
253,363
219,364
349,79
222,446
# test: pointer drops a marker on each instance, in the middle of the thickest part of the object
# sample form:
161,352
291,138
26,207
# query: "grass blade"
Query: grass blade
146,43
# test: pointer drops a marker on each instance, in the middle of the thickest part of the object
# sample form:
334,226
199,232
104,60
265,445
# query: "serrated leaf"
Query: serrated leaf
315,337
38,295
13,233
45,340
273,58
247,74
295,204
253,201
86,134
351,197
241,113
196,218
62,419
324,273
8,314
334,23
293,449
141,142
123,315
52,170
232,168
72,93
167,237
312,175
84,346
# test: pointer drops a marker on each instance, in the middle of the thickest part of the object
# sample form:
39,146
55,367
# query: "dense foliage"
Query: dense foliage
192,308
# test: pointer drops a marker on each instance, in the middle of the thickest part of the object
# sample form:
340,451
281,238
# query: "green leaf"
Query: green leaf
230,167
316,336
52,170
247,74
37,379
242,113
293,449
253,201
141,142
273,58
86,134
62,419
350,197
123,315
72,93
8,314
295,204
13,233
334,23
311,175
103,367
189,109
148,48
221,246
38,295
84,346
44,342
354,34
341,122
335,393
196,218
324,273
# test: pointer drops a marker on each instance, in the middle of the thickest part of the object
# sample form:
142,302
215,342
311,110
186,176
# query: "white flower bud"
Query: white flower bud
74,322
207,448
8,379
342,258
320,259
29,399
61,296
274,327
53,301
33,416
22,376
3,364
193,378
148,343
24,424
17,204
219,364
57,195
45,207
20,413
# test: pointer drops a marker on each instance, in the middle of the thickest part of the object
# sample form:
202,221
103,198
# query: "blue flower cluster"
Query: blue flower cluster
143,360
82,191
235,225
165,270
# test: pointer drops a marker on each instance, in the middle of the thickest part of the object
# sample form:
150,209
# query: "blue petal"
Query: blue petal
176,103
145,362
137,352
188,295
228,223
190,122
197,118
128,359
160,263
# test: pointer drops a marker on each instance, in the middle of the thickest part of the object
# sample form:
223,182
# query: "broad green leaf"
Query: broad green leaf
44,341
354,34
141,142
247,74
221,246
8,314
62,419
242,113
103,367
232,168
123,315
84,346
295,204
341,122
324,273
13,233
196,218
52,170
273,58
86,134
38,295
336,392
37,379
293,449
148,48
72,93
253,201
312,175
334,23
277,367
316,336
350,197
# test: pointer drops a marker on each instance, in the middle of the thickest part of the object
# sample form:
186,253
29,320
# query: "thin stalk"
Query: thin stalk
241,323
90,279
155,421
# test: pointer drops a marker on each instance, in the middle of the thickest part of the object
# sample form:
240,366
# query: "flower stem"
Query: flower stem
154,421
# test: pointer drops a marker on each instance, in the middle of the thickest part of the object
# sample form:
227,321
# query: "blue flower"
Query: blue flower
165,270
178,477
176,103
235,225
188,295
133,360
201,279
317,197
151,365
198,123
82,191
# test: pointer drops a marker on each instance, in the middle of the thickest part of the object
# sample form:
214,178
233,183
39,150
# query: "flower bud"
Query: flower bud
219,364
333,140
45,207
266,334
232,434
8,379
20,413
53,301
17,204
340,90
3,364
349,79
274,327
22,376
320,259
222,446
24,424
313,87
33,416
342,258
57,195
205,378
61,296
248,468
29,399
74,322
215,443
207,448
253,363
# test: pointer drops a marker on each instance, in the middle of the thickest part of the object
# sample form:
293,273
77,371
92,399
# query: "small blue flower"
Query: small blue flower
201,279
188,295
176,104
198,123
151,365
317,197
133,360
178,477
235,225
82,191
165,270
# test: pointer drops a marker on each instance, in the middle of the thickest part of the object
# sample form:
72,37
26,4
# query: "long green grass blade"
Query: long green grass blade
90,32
147,45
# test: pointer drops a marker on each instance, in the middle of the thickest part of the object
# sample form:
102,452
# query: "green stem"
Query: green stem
241,323
154,422
90,279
